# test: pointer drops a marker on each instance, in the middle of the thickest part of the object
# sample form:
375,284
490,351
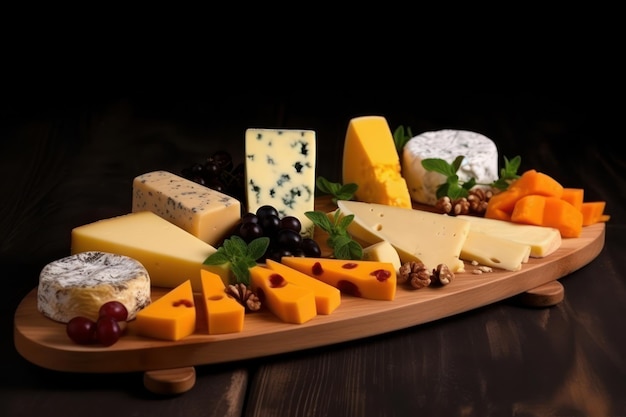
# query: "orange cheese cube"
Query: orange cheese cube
289,302
327,297
171,317
367,279
223,313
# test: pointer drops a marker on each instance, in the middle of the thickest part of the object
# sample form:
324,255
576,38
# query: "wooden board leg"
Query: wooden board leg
546,295
170,381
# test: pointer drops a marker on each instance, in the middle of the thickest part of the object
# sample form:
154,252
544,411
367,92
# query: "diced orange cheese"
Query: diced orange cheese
366,279
574,196
371,161
171,317
534,182
592,212
289,302
327,297
223,313
549,211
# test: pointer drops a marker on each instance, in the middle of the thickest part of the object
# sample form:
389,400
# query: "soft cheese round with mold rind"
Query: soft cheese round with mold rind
78,285
480,160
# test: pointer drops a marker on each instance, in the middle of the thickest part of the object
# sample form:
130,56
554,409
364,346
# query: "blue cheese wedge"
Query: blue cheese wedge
480,160
280,172
205,213
78,285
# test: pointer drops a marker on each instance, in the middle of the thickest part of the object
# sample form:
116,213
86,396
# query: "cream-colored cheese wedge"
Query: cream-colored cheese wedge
382,251
417,235
543,241
494,251
170,254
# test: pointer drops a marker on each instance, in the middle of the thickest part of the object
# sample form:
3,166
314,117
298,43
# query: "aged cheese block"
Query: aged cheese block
171,317
223,313
280,172
543,241
170,254
78,285
480,160
289,302
417,235
371,161
205,213
327,297
494,251
366,279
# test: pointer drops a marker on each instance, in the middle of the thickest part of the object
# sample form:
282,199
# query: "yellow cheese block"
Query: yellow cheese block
417,235
371,161
327,297
205,213
366,279
171,317
542,240
494,251
223,313
289,302
169,254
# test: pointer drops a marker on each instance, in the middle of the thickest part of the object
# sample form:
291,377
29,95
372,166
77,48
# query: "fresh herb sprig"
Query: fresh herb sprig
337,190
455,188
342,244
241,255
401,137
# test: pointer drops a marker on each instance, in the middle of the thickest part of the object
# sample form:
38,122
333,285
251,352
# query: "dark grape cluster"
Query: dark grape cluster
106,330
284,234
219,173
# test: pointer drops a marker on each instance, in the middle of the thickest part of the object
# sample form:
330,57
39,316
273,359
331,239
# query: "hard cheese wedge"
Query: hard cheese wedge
417,235
543,241
171,317
327,297
223,313
371,161
280,172
289,302
494,251
170,254
366,279
205,213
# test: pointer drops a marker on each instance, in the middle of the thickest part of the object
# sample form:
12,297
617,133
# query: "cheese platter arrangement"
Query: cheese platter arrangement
183,275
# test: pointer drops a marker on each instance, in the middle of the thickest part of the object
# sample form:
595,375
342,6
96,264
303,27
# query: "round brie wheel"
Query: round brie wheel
78,285
480,160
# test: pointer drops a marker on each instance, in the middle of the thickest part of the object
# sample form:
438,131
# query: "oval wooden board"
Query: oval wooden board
45,343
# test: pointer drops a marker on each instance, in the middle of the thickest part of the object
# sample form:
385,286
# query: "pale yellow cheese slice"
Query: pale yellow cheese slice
494,251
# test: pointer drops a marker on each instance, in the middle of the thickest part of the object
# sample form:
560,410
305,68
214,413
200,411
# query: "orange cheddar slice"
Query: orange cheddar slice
327,297
224,314
367,279
289,302
171,317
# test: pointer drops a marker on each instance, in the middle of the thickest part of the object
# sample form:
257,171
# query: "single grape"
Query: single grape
288,239
291,222
108,331
265,211
249,231
249,218
222,160
114,309
310,248
81,330
270,224
277,253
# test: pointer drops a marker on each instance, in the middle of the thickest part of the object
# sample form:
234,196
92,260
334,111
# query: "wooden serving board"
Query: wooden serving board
45,343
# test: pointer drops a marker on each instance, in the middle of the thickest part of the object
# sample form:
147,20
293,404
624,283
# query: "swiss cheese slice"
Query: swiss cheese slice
494,251
417,235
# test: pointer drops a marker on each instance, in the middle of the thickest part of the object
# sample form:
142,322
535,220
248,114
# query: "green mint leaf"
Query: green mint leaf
241,270
320,220
338,236
336,190
438,165
456,164
217,258
401,137
257,247
240,255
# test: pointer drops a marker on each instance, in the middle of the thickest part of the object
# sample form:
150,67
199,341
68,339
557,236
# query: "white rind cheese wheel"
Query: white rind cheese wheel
480,162
79,284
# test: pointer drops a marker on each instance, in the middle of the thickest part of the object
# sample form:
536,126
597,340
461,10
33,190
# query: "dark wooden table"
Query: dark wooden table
65,163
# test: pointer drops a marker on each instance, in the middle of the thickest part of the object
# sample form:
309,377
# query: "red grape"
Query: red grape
114,309
108,331
81,330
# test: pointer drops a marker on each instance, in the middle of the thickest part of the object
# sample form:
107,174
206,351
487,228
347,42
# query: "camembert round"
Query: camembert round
79,284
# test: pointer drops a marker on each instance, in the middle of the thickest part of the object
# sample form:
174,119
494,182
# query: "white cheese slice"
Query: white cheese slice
280,172
382,251
417,235
543,241
78,285
494,251
480,160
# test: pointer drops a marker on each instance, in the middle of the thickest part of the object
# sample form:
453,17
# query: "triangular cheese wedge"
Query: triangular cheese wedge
223,313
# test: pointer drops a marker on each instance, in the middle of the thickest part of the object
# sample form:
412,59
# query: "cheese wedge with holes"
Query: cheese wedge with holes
223,313
371,161
170,254
543,241
417,235
171,317
327,297
366,279
289,302
494,251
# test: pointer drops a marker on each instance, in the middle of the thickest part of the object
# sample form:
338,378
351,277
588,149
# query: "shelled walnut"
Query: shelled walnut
442,275
416,274
475,203
245,296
